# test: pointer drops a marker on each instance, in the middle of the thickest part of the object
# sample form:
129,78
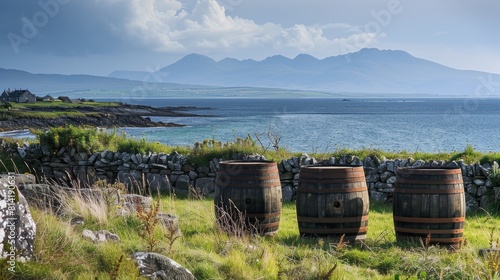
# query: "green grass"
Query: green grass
62,105
46,115
61,252
60,109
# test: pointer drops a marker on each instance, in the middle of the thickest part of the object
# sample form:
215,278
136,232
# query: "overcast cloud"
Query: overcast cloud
98,36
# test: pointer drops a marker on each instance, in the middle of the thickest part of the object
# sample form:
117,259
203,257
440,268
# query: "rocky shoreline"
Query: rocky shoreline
123,115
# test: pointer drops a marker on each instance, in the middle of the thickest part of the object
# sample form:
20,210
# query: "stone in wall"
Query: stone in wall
132,180
287,193
379,197
182,183
157,182
205,185
471,203
496,192
85,176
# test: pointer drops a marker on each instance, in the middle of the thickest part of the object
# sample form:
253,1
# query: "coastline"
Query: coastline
116,115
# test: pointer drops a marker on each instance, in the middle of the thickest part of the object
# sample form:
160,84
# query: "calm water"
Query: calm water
308,125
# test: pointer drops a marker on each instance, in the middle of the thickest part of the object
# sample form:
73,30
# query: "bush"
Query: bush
80,138
89,140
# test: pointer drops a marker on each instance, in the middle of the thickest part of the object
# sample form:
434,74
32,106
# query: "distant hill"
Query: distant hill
366,71
146,86
50,83
54,82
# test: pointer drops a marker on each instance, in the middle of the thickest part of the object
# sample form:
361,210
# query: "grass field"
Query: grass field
58,104
51,110
61,252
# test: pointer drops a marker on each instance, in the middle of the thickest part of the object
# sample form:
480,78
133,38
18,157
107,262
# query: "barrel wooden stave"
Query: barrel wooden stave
429,201
252,191
333,201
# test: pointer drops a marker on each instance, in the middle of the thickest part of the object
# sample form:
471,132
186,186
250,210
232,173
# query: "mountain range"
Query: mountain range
368,72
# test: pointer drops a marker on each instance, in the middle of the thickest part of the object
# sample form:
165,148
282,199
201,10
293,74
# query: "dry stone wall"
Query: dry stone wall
173,172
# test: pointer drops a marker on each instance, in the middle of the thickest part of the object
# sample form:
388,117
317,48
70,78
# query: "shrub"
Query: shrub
81,138
89,140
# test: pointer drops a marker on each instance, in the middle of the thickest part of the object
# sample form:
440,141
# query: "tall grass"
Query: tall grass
210,252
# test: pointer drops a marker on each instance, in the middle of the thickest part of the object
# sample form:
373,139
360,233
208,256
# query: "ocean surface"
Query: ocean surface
322,125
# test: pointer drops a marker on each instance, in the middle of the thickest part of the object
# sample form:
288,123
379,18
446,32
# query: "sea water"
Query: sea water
322,125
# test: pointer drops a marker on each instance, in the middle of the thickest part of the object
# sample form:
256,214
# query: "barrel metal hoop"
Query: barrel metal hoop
429,231
358,230
446,240
332,220
332,190
427,191
429,220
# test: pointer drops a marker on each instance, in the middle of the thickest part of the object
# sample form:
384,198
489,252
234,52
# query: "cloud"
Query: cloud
153,23
79,28
209,29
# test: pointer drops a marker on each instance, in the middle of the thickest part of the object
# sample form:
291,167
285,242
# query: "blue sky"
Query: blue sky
99,36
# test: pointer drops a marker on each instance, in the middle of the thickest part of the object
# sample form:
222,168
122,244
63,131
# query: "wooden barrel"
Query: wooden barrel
332,200
249,194
429,202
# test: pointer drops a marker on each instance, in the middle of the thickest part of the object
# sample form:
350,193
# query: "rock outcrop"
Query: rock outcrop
100,236
17,227
157,266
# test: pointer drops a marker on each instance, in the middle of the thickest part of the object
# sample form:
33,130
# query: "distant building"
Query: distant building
18,96
65,99
48,98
